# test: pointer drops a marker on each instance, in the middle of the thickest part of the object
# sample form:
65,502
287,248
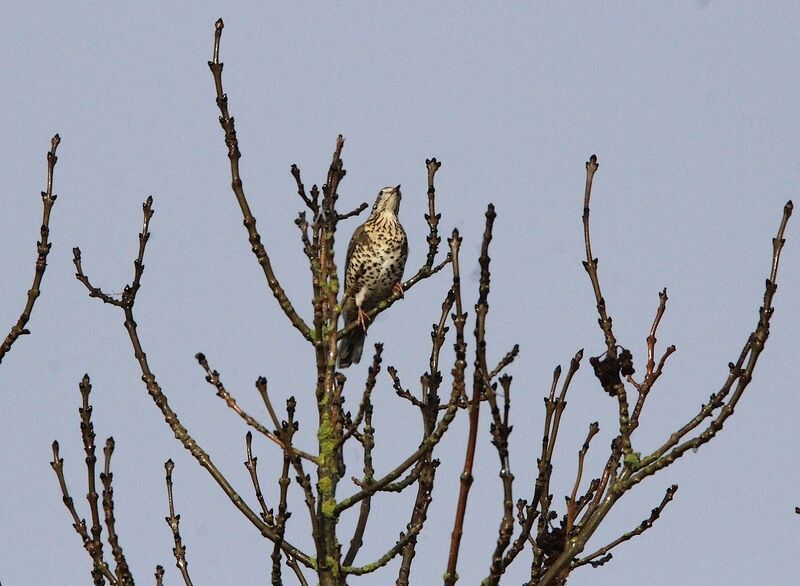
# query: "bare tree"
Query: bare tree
557,537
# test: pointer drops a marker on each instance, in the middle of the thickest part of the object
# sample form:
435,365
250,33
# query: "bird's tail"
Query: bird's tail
350,348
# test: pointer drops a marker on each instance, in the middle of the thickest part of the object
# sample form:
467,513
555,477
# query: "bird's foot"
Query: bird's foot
398,288
363,318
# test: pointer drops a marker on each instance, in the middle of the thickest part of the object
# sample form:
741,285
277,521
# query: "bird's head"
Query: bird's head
388,201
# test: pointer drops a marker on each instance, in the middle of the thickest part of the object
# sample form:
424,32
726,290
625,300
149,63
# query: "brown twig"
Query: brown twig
212,377
504,362
368,441
122,571
402,392
372,376
603,552
653,372
287,431
234,154
42,250
173,521
501,431
572,502
252,468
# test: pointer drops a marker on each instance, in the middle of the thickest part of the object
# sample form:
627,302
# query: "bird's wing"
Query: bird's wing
404,253
360,238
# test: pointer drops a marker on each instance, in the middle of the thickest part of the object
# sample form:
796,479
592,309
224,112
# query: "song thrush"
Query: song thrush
374,267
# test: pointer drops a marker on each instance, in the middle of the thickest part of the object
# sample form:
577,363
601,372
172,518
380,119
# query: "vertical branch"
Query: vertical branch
173,521
549,542
590,264
572,502
87,434
368,440
609,368
501,431
42,249
283,516
122,570
653,372
479,378
252,468
432,217
329,406
227,123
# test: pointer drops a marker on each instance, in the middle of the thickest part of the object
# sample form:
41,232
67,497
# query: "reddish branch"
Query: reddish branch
480,375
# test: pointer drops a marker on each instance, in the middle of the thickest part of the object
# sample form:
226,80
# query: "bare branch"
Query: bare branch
212,377
252,467
173,521
603,553
227,123
478,387
368,442
122,571
126,303
42,250
405,538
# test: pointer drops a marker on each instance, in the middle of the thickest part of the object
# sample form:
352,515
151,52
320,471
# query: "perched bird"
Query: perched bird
374,267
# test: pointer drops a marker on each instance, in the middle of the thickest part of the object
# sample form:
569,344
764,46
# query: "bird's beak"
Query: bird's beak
397,189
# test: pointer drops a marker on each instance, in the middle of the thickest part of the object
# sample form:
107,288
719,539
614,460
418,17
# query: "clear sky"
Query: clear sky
691,108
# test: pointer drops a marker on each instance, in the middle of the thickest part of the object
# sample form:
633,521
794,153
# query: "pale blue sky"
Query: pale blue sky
691,108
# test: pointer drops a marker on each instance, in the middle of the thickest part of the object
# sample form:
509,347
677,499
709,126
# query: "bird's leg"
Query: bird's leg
398,288
363,318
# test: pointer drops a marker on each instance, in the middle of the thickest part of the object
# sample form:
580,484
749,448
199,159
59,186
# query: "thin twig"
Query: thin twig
572,502
252,468
368,442
372,376
501,432
42,250
121,570
212,377
173,521
603,552
227,123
